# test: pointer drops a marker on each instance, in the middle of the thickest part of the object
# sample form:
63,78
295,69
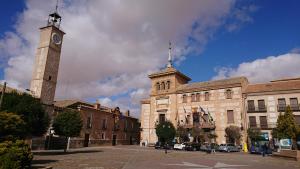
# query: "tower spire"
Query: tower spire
54,18
170,57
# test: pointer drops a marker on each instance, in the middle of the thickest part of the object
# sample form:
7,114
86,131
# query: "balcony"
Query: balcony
263,126
259,109
203,125
294,108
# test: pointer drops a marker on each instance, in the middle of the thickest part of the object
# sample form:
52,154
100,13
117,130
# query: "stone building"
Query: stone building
265,101
102,125
215,105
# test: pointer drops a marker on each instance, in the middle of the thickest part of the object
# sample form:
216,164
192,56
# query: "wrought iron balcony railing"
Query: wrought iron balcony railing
257,109
263,126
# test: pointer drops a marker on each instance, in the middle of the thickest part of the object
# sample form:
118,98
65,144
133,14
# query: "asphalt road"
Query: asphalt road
134,157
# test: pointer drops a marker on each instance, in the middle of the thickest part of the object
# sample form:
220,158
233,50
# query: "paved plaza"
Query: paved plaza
134,157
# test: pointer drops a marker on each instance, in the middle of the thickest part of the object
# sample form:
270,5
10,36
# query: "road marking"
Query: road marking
199,166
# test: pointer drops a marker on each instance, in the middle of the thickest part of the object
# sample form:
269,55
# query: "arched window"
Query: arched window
157,86
163,86
184,98
228,94
168,84
193,97
206,95
198,97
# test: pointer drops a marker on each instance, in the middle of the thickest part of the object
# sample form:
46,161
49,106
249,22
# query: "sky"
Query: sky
111,46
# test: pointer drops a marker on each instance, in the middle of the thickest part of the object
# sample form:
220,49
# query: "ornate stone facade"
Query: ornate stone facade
225,101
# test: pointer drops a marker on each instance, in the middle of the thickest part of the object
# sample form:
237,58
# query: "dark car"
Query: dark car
161,145
258,149
192,146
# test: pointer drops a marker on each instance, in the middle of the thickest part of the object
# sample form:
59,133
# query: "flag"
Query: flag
201,109
186,120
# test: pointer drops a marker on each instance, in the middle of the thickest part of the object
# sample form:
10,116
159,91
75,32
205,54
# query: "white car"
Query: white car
180,146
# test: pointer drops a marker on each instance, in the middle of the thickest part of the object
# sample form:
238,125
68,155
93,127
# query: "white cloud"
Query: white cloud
111,46
266,69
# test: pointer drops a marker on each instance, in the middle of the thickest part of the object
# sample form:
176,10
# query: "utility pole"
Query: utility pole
2,94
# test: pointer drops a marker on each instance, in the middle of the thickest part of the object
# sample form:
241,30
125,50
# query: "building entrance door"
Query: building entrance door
86,140
130,141
114,140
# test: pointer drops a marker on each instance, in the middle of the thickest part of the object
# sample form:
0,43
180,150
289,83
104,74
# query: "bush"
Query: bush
15,155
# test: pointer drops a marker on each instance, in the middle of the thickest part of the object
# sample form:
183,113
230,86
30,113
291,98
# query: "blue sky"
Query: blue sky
112,57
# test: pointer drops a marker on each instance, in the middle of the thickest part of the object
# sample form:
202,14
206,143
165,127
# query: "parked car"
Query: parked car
229,148
204,146
161,145
192,146
258,149
180,146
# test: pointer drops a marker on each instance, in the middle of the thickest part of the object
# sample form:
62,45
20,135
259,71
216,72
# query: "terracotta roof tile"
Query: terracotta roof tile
277,85
214,84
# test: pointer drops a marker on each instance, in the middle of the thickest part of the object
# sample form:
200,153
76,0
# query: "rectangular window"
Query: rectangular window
206,95
251,107
297,119
184,98
252,121
261,105
263,122
104,124
88,123
196,118
162,118
193,97
188,119
103,136
230,116
281,104
125,125
198,97
294,104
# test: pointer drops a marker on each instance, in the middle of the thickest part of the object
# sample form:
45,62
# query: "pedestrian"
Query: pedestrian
264,147
213,148
166,148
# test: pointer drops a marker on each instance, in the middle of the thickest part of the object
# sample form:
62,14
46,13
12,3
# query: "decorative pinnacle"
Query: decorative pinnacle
170,57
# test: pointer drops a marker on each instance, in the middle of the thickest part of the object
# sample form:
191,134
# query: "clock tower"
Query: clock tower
44,78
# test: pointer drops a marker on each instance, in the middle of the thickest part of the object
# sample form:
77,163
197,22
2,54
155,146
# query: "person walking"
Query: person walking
264,149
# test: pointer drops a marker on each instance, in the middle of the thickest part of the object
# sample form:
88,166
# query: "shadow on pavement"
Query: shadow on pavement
46,153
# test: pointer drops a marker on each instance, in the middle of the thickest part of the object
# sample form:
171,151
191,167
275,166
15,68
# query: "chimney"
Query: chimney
127,113
97,105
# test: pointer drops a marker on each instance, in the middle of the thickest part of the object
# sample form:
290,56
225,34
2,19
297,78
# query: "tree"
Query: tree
165,131
286,126
31,111
233,133
11,126
182,134
68,124
254,134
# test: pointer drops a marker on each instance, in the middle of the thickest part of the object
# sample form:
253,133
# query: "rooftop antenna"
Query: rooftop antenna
170,57
56,6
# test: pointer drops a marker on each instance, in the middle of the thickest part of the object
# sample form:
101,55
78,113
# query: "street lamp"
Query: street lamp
51,132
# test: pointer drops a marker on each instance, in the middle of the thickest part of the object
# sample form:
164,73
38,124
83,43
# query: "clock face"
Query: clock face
56,39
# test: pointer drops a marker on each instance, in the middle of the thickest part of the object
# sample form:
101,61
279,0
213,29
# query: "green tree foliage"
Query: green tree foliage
233,133
254,134
165,131
68,123
182,134
31,111
15,155
287,127
11,126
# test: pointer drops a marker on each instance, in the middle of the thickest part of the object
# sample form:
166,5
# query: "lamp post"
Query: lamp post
51,132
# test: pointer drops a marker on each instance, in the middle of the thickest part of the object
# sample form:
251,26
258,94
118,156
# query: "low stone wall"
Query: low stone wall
294,154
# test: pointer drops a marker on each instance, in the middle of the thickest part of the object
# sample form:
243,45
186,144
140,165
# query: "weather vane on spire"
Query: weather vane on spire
54,18
170,57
